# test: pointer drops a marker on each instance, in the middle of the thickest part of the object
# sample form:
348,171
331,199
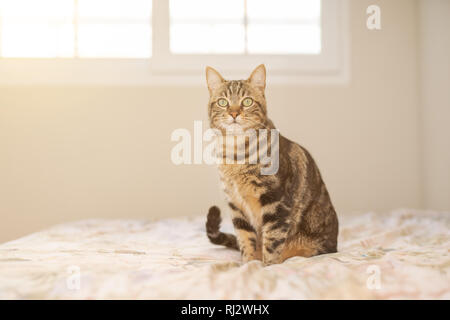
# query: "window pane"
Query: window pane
283,27
37,40
114,28
212,10
114,40
283,39
282,10
31,28
123,9
207,26
200,38
37,9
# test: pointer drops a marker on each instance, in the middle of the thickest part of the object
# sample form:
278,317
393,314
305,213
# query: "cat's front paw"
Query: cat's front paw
248,258
269,259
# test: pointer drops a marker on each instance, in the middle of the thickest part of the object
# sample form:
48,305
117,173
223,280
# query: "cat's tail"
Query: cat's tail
213,230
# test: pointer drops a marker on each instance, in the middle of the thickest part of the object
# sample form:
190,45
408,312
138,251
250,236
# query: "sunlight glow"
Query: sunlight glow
75,28
36,28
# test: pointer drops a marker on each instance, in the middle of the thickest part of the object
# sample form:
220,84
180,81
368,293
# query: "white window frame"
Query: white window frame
331,66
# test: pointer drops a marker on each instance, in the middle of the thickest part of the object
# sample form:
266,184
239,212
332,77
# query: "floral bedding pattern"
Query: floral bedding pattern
399,255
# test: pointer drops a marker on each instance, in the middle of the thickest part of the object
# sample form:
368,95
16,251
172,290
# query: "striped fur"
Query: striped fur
275,216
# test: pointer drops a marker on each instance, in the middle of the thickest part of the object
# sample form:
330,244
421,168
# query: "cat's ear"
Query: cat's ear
213,79
258,77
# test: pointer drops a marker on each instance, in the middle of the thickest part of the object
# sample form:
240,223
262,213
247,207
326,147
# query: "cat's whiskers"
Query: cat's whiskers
257,123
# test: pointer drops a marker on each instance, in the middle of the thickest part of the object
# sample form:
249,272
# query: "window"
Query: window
245,26
168,38
75,28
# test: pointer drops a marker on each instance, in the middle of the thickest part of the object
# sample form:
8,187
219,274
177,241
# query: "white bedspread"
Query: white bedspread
401,255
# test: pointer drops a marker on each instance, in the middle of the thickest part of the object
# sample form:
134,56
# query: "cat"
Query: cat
276,216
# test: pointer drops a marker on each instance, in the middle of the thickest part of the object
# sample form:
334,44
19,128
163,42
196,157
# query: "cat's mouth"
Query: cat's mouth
234,128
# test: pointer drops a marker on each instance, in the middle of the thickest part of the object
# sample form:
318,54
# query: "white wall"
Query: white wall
435,101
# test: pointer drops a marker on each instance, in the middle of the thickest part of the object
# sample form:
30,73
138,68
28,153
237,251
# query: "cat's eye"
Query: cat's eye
222,102
247,102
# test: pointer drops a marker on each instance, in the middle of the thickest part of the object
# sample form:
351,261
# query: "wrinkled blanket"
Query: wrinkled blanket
400,255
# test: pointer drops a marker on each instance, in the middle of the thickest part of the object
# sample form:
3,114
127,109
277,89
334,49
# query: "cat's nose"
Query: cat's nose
234,114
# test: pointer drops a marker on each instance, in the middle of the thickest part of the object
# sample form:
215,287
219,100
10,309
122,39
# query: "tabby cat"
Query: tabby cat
276,216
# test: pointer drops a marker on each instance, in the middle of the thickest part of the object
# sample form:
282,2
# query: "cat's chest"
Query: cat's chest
245,196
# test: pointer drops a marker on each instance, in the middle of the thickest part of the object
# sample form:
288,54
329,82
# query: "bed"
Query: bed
403,254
